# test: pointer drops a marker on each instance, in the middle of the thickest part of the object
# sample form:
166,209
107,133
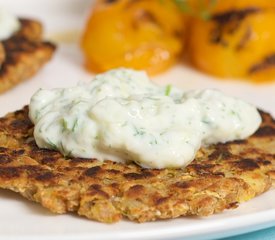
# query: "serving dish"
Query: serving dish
21,219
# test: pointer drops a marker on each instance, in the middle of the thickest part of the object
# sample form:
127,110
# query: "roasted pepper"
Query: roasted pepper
238,40
136,34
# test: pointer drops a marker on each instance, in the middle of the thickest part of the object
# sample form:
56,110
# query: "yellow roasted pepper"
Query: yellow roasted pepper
237,41
136,34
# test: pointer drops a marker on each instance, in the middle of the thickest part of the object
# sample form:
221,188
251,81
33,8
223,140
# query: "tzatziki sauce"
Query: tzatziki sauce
9,24
122,116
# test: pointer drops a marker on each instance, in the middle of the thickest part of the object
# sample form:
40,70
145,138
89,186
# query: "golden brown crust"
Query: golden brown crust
221,177
30,29
24,54
2,53
23,60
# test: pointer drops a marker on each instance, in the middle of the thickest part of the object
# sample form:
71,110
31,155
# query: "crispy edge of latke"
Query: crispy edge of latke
142,195
23,60
24,54
30,29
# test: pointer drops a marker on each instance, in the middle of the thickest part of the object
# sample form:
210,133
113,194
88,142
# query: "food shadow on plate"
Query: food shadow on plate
9,196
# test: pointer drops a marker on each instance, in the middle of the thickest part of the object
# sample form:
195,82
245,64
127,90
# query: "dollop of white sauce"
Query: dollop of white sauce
9,24
122,116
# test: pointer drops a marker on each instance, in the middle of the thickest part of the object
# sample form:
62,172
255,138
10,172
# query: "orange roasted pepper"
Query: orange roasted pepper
238,40
136,34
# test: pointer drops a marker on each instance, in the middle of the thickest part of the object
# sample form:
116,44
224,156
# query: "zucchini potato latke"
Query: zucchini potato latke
23,54
220,177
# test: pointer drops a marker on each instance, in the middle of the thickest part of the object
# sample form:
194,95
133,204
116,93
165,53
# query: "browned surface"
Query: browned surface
221,177
30,29
2,53
24,54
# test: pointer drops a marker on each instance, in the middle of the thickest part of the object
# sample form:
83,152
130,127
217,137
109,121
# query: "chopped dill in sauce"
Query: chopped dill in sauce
123,116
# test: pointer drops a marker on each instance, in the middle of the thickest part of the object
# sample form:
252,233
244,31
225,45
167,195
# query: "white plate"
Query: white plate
21,219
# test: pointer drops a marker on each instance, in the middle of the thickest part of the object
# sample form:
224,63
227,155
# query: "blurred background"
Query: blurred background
228,45
190,44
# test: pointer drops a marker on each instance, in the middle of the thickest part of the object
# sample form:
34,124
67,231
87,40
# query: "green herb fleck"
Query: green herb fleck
37,113
52,145
66,154
235,114
162,133
183,5
75,125
168,90
153,142
203,8
124,124
139,131
206,121
64,124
